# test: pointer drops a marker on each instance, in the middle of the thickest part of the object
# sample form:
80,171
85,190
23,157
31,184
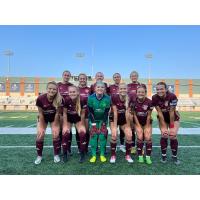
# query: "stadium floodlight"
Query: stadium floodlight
80,56
149,57
8,53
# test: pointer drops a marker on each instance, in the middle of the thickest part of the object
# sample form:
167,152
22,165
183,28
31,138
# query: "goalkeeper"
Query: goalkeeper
99,106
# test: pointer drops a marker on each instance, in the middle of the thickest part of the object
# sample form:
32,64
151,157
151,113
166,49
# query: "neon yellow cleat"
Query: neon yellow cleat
148,160
140,159
103,158
93,159
133,150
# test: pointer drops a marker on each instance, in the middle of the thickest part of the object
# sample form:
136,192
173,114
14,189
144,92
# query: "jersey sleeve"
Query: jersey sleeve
173,100
154,101
39,102
150,105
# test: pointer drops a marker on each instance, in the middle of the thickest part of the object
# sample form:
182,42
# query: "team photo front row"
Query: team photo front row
125,108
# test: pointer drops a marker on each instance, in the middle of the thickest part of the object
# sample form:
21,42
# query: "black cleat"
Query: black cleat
163,159
176,161
65,158
82,157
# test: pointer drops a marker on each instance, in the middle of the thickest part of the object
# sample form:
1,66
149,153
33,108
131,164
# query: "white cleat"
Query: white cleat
122,148
113,159
129,159
56,159
38,160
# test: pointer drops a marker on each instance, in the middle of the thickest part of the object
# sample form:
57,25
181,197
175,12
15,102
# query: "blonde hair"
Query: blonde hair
78,101
57,101
126,97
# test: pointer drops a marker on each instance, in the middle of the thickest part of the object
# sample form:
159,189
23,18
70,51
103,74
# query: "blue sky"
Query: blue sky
48,50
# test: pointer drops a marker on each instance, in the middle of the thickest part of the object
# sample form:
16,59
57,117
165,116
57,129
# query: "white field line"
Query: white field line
9,126
30,125
9,147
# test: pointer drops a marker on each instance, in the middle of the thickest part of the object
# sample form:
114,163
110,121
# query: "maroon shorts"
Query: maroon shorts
121,118
73,118
144,121
167,117
47,118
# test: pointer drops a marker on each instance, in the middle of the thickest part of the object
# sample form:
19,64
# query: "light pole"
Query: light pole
8,53
149,57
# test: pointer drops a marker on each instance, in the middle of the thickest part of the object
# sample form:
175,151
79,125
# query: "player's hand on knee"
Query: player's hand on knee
164,132
103,128
93,129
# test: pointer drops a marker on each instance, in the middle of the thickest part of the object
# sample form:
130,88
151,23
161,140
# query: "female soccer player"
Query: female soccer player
165,103
142,109
73,113
99,77
132,87
84,91
99,106
121,118
63,89
114,89
49,105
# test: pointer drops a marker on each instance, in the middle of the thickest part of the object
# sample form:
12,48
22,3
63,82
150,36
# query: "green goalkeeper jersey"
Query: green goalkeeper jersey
98,108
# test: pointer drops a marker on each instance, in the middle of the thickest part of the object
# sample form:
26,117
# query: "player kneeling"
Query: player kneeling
73,113
49,105
165,103
142,109
121,118
99,106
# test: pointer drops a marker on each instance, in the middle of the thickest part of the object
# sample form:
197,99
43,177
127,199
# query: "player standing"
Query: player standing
49,106
121,119
99,106
99,77
63,89
73,113
165,103
132,88
141,108
84,91
114,89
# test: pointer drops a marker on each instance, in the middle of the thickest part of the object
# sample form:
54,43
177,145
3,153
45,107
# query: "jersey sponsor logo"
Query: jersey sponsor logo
142,114
145,107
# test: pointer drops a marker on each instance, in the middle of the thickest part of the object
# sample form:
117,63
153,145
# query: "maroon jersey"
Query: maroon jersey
48,109
84,93
141,109
63,88
113,89
92,88
121,109
132,88
72,115
165,103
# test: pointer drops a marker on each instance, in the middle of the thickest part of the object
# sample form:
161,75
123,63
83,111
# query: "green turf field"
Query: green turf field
20,160
17,152
26,119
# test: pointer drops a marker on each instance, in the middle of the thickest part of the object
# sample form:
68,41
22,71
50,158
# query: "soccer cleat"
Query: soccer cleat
93,159
176,161
56,159
122,148
82,157
129,159
65,157
148,160
38,160
102,158
113,159
133,150
163,159
140,159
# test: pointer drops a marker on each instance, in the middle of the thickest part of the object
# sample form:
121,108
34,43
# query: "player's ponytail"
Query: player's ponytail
57,101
